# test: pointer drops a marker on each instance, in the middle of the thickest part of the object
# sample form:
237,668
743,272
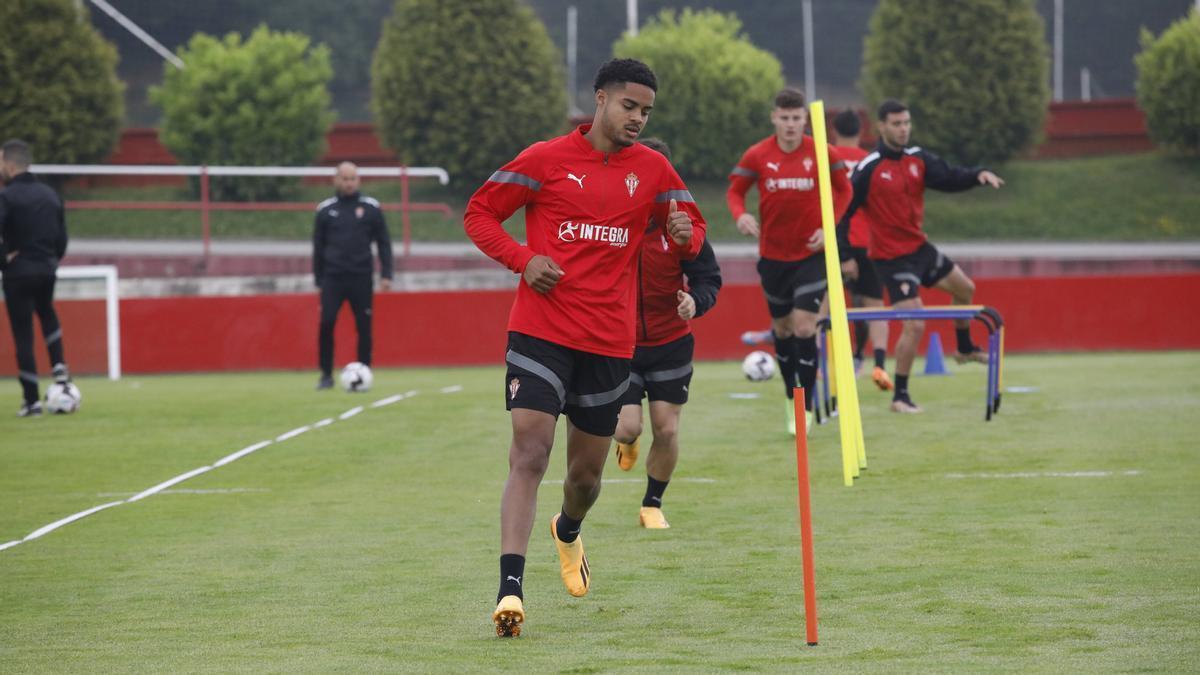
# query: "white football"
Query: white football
357,376
63,398
758,366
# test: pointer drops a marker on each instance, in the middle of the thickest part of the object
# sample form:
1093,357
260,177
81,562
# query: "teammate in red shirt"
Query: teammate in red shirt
670,292
861,277
587,196
889,184
791,265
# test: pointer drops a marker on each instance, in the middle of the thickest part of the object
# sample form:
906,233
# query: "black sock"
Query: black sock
806,367
963,336
654,492
785,356
860,338
880,357
568,528
901,386
512,568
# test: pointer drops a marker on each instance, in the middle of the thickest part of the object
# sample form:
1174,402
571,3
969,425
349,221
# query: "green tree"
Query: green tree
262,101
58,82
1168,84
465,85
974,74
715,88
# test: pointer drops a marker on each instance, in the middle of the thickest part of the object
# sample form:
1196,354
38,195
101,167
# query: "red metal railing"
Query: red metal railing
206,206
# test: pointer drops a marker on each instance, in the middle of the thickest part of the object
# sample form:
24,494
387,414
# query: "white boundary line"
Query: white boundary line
205,469
1048,474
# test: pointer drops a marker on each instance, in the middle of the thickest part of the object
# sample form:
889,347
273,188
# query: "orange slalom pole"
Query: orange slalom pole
806,537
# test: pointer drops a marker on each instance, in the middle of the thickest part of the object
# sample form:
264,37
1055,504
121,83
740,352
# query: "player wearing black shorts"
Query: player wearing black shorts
588,196
783,167
859,272
889,184
671,292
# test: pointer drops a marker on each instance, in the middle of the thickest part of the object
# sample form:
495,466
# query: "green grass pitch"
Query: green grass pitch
1061,537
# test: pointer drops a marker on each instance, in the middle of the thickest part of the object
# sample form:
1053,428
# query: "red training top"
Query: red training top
860,224
789,202
587,210
889,185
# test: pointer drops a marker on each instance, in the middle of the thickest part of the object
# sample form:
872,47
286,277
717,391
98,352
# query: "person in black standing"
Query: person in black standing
33,239
343,265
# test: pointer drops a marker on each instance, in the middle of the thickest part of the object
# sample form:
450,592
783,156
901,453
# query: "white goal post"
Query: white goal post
112,309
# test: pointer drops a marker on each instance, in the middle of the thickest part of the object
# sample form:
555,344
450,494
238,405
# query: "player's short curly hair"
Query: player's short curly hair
890,107
658,145
789,98
846,123
620,71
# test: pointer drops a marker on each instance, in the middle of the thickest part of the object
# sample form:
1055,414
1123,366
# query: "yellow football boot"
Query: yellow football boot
627,454
652,518
572,563
508,617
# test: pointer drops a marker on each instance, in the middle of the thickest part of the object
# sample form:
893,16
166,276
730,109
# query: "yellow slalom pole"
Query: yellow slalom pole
849,422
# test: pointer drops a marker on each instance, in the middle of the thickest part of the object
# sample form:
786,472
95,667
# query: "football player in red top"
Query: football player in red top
587,196
671,292
889,184
861,277
790,240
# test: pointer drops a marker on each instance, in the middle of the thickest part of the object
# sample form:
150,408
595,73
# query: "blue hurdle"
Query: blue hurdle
988,316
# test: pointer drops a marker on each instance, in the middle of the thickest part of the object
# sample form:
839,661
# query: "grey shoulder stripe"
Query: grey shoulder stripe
516,178
677,195
744,172
369,200
913,150
869,158
327,202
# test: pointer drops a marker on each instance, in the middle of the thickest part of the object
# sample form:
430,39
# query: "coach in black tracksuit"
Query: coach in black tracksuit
33,238
345,226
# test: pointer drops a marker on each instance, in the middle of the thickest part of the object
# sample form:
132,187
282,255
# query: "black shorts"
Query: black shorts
796,284
867,284
554,379
905,275
661,372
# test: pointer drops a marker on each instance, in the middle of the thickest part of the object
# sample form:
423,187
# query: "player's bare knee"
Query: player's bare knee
914,328
666,431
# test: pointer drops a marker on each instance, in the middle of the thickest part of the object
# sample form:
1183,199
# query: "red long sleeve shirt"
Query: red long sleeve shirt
860,224
587,210
789,201
890,186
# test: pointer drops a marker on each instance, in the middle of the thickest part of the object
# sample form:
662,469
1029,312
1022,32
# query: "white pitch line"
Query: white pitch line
168,483
387,401
204,469
639,480
69,519
452,389
293,433
241,453
1048,474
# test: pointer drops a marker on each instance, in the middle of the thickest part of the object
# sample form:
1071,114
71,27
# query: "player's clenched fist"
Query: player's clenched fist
679,225
542,273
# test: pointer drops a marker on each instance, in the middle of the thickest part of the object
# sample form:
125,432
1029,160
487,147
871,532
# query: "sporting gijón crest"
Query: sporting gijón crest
631,183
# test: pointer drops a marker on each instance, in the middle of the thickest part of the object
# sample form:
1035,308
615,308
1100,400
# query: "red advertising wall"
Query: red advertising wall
468,327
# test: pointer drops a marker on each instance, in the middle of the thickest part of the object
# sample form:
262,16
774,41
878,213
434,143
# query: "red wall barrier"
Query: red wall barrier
468,327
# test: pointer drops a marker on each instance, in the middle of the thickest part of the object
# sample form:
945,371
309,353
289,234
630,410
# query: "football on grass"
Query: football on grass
356,377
